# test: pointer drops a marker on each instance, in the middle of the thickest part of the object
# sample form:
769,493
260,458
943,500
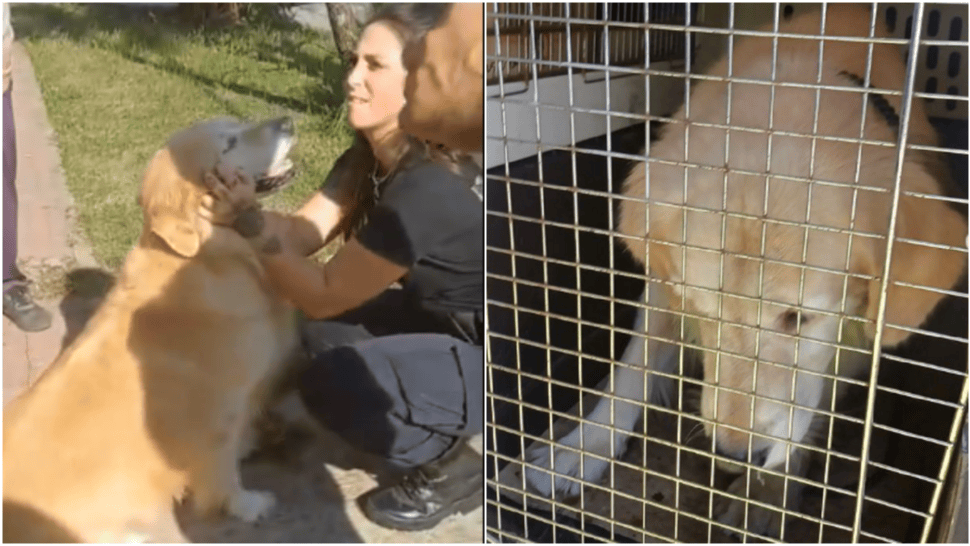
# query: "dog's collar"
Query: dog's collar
878,101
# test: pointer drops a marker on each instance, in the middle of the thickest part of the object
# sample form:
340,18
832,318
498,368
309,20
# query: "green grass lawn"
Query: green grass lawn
117,82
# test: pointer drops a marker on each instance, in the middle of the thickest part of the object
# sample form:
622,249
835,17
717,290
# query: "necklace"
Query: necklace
378,181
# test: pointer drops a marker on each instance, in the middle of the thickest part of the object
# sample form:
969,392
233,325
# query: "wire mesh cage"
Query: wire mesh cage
726,254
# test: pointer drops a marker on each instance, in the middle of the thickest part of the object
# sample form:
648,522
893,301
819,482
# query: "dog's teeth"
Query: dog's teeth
282,170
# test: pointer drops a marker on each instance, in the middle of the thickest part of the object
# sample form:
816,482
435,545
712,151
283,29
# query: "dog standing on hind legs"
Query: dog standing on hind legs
798,271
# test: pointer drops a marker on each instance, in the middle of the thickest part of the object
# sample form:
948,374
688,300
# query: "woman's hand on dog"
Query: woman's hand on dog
231,201
229,190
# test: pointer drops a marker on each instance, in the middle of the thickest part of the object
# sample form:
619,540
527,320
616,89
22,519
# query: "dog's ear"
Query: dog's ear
925,222
180,235
170,204
643,241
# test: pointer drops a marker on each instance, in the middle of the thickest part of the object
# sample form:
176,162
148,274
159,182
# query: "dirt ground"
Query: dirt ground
317,479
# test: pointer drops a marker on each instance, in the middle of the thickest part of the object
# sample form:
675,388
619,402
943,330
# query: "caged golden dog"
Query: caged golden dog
792,271
157,394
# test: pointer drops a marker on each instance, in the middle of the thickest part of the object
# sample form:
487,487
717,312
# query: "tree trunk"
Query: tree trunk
345,27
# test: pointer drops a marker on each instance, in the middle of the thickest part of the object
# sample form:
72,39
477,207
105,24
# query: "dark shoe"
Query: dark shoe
20,308
430,493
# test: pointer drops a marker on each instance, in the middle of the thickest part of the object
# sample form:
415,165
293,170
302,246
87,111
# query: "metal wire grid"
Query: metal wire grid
941,67
527,18
627,44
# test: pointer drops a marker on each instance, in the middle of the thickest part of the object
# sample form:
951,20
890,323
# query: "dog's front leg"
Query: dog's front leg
281,381
603,436
773,490
215,482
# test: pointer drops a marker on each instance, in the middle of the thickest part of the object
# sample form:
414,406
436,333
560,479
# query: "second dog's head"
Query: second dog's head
173,188
776,300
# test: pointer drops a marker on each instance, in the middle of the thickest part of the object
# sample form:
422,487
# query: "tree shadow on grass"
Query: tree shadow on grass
317,97
84,22
155,37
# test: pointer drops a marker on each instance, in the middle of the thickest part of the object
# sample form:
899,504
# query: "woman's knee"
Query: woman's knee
338,379
339,389
321,336
403,397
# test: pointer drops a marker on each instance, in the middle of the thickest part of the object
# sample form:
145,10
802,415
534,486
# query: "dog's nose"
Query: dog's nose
283,125
758,456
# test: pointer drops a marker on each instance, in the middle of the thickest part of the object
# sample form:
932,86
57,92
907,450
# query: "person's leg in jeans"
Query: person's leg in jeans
9,193
18,306
413,399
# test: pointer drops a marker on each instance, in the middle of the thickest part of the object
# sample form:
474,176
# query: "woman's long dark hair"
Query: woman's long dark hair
352,171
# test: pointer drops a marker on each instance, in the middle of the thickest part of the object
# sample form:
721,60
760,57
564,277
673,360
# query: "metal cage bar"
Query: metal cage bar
577,91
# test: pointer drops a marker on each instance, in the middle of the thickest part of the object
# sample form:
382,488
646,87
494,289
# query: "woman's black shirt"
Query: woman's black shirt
427,219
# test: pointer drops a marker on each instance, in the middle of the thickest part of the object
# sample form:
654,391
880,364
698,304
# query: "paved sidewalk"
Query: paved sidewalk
48,243
317,488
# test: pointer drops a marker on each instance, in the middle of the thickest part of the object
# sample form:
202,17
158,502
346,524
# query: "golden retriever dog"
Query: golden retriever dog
770,238
156,395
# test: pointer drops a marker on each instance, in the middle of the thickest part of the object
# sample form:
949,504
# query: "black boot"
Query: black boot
430,493
20,308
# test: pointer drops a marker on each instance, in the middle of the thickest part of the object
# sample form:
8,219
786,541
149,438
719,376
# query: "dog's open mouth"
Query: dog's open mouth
271,183
281,172
260,151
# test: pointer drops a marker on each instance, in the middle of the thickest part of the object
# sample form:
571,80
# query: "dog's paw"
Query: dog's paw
251,506
761,520
573,468
566,462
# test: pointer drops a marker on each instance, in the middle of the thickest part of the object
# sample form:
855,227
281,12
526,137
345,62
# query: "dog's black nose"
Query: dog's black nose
283,125
758,456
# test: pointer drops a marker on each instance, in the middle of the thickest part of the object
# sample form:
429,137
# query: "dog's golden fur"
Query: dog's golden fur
839,116
155,396
761,316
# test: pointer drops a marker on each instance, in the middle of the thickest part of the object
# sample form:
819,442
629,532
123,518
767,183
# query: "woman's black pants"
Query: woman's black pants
389,380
